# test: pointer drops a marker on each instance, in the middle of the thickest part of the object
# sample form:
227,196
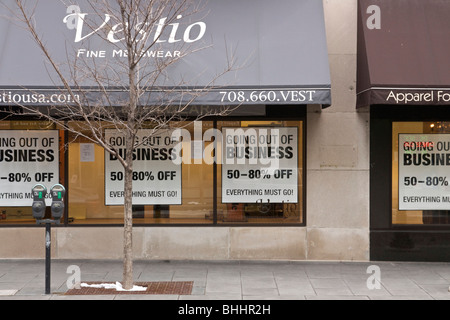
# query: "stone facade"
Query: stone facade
337,192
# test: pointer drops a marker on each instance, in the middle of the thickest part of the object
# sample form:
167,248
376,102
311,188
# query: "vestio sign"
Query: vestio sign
276,63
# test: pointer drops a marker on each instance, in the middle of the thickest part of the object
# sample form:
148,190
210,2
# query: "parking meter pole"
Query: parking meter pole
39,193
48,243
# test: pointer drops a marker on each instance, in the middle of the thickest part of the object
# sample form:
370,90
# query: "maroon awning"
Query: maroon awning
403,52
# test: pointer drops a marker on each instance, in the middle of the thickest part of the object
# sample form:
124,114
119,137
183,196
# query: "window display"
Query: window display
421,173
31,152
204,172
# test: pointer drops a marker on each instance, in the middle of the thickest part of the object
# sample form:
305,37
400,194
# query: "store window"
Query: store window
164,192
267,191
421,173
261,172
31,152
216,173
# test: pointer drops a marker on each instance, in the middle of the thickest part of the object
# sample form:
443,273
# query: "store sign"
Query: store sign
114,30
208,58
156,176
27,158
419,97
259,165
424,172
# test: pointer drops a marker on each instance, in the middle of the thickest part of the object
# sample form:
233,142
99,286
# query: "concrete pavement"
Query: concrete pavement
238,280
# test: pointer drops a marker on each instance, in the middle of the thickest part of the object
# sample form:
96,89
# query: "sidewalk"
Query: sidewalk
237,280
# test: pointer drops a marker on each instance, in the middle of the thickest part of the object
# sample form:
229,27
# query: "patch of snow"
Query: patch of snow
115,286
8,292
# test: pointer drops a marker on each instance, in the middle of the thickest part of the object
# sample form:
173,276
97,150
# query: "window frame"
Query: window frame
273,113
381,130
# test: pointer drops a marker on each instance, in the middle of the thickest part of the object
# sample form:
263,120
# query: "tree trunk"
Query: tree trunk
128,185
128,217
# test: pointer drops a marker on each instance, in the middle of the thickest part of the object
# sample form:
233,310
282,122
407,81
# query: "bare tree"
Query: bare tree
134,28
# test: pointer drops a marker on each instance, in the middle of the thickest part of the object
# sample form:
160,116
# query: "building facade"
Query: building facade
403,79
327,188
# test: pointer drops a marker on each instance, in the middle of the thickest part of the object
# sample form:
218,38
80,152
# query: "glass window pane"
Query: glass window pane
260,178
419,183
31,152
89,179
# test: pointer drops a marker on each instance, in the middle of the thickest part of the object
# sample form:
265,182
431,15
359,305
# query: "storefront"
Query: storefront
403,76
243,169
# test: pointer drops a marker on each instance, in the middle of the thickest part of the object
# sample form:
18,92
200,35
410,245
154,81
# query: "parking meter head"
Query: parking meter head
57,192
39,192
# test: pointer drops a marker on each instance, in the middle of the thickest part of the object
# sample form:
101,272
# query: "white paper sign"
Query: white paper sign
87,152
27,157
156,178
260,165
424,172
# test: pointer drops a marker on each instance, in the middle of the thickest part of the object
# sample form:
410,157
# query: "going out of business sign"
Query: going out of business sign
424,172
156,174
260,165
27,157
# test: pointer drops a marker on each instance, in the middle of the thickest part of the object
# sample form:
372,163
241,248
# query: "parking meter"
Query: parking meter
57,192
38,207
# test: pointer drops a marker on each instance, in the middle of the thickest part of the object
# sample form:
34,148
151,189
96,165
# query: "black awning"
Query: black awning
403,52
